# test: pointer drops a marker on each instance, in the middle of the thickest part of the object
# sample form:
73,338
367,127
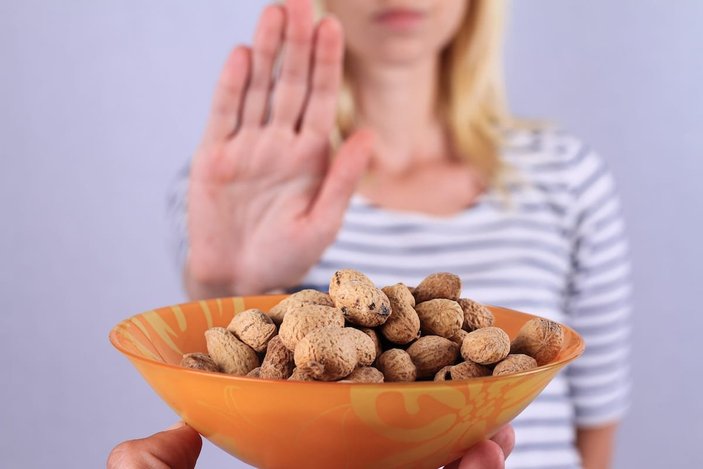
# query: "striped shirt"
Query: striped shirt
554,247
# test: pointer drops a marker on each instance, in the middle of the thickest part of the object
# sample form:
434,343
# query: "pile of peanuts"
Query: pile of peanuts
361,333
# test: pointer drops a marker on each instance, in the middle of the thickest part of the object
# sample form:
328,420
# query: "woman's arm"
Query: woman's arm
596,446
599,308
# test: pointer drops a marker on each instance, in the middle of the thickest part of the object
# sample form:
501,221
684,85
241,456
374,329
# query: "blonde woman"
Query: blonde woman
429,173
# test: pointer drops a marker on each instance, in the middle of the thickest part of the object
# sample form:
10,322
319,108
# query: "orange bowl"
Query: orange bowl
272,424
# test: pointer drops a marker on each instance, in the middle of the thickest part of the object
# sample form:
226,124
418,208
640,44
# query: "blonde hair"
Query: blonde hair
472,102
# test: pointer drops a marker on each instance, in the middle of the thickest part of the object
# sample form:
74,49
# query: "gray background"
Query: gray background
101,103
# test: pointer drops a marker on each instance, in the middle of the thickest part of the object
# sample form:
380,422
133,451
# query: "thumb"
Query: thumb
484,455
176,448
342,178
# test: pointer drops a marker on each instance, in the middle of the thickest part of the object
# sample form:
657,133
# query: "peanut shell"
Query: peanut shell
476,315
365,347
431,353
304,319
199,361
229,353
300,375
539,338
440,317
328,353
314,297
486,346
344,276
362,304
440,285
403,325
458,338
444,374
278,362
464,370
396,365
374,337
253,327
469,369
514,363
364,374
294,301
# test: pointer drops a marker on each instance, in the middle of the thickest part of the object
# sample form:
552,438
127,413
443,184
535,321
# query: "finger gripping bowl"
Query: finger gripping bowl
284,424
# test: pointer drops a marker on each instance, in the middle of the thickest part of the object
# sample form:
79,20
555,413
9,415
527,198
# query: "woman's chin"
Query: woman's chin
399,52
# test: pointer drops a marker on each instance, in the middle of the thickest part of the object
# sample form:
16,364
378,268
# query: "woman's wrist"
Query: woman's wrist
201,285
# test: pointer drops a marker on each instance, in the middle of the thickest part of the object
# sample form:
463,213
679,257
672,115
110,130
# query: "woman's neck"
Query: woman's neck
400,104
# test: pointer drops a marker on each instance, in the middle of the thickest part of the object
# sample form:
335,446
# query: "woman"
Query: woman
431,174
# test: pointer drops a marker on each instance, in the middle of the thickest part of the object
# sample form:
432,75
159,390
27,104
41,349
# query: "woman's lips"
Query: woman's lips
399,19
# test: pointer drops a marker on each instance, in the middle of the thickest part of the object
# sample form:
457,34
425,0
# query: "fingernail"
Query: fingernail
176,426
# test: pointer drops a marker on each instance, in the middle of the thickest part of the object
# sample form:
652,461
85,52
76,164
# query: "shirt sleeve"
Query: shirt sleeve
176,212
598,304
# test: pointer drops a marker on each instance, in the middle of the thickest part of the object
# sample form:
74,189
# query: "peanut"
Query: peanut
328,353
306,318
431,353
374,338
362,304
403,325
344,276
514,363
476,315
539,338
278,362
294,301
432,324
253,327
365,347
486,346
199,361
468,369
300,375
229,353
364,374
458,338
439,285
396,365
440,317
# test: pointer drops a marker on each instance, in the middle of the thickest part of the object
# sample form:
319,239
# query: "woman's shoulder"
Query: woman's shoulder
550,154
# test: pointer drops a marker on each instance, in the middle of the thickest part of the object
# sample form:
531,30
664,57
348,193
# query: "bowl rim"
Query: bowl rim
115,330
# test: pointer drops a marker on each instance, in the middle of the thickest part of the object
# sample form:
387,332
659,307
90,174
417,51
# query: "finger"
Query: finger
341,180
505,438
326,77
483,455
226,103
176,448
292,85
267,41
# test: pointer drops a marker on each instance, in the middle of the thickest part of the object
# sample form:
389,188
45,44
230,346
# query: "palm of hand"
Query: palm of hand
264,199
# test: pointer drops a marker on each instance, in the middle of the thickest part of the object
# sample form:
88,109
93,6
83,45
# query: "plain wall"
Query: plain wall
101,104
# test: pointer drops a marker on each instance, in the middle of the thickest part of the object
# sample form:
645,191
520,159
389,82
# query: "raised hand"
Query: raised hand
266,197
